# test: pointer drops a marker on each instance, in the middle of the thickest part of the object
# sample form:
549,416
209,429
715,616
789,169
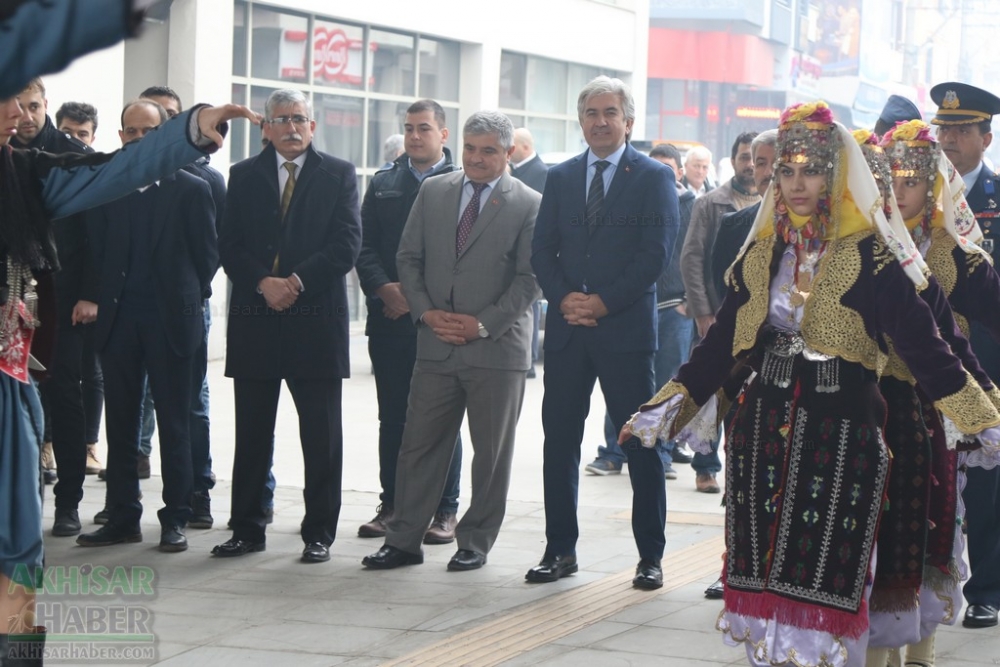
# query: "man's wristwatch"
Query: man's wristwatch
483,333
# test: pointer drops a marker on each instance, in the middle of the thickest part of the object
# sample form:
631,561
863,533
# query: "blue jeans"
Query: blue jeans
674,332
706,464
148,422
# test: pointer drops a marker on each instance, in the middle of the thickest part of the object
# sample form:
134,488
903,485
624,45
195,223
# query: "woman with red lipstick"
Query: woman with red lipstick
822,280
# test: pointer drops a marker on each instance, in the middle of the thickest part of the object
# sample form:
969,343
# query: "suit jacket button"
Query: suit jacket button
115,300
123,274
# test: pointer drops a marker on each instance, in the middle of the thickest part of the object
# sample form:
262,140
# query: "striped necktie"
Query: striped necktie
595,196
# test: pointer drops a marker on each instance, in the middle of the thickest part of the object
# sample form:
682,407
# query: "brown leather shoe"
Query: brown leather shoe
377,526
442,530
705,483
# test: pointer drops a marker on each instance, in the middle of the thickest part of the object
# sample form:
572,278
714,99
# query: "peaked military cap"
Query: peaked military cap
897,109
960,104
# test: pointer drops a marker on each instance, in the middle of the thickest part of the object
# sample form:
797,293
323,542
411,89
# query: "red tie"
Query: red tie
468,219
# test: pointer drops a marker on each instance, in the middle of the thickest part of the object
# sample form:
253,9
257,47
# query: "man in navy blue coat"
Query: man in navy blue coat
606,226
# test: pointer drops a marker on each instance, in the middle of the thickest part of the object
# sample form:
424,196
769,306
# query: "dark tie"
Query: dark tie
468,219
595,196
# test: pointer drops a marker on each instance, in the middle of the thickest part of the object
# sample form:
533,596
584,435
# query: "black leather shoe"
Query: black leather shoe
172,539
316,552
648,575
388,558
716,590
466,559
201,510
552,568
110,534
980,616
67,523
235,547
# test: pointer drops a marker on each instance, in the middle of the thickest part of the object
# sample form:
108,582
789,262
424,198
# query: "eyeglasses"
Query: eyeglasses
285,120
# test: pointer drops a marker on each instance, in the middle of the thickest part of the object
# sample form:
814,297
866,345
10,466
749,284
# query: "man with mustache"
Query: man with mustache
291,233
696,267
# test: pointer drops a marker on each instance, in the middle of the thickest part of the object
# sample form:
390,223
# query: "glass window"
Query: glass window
439,69
338,55
513,68
549,135
280,42
340,126
384,120
238,131
546,86
240,39
578,77
392,62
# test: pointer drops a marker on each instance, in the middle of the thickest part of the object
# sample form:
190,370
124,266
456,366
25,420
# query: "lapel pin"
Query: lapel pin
495,202
627,169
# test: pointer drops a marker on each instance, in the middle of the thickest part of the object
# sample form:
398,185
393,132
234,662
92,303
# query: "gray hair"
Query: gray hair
491,122
392,148
602,85
283,97
698,153
768,138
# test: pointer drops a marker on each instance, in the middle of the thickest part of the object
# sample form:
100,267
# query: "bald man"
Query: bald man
525,165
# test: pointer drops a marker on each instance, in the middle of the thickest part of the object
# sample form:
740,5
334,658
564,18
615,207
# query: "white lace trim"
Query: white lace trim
652,425
703,429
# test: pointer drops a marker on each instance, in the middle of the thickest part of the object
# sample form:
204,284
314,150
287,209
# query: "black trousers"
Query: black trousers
318,403
137,342
72,393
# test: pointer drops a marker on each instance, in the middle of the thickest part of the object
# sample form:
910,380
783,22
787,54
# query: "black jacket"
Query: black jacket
386,207
670,285
318,240
533,174
183,257
70,233
733,230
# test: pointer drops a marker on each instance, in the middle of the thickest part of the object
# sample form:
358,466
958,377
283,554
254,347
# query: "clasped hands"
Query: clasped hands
452,328
579,309
280,293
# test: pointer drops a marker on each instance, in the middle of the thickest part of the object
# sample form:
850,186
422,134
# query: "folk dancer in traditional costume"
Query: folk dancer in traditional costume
821,281
928,190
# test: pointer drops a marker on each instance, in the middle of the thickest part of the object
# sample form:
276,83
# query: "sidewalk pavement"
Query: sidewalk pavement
270,609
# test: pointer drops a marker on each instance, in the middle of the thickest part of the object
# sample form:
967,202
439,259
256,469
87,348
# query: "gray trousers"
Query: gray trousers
440,394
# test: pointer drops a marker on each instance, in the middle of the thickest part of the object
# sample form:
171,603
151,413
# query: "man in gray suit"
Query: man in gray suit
465,267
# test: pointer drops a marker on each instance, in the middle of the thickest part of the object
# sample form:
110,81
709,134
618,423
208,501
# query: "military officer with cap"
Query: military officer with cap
897,109
964,132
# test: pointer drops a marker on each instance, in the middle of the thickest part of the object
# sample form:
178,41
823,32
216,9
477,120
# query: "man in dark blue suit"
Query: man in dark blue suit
964,132
154,255
606,226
